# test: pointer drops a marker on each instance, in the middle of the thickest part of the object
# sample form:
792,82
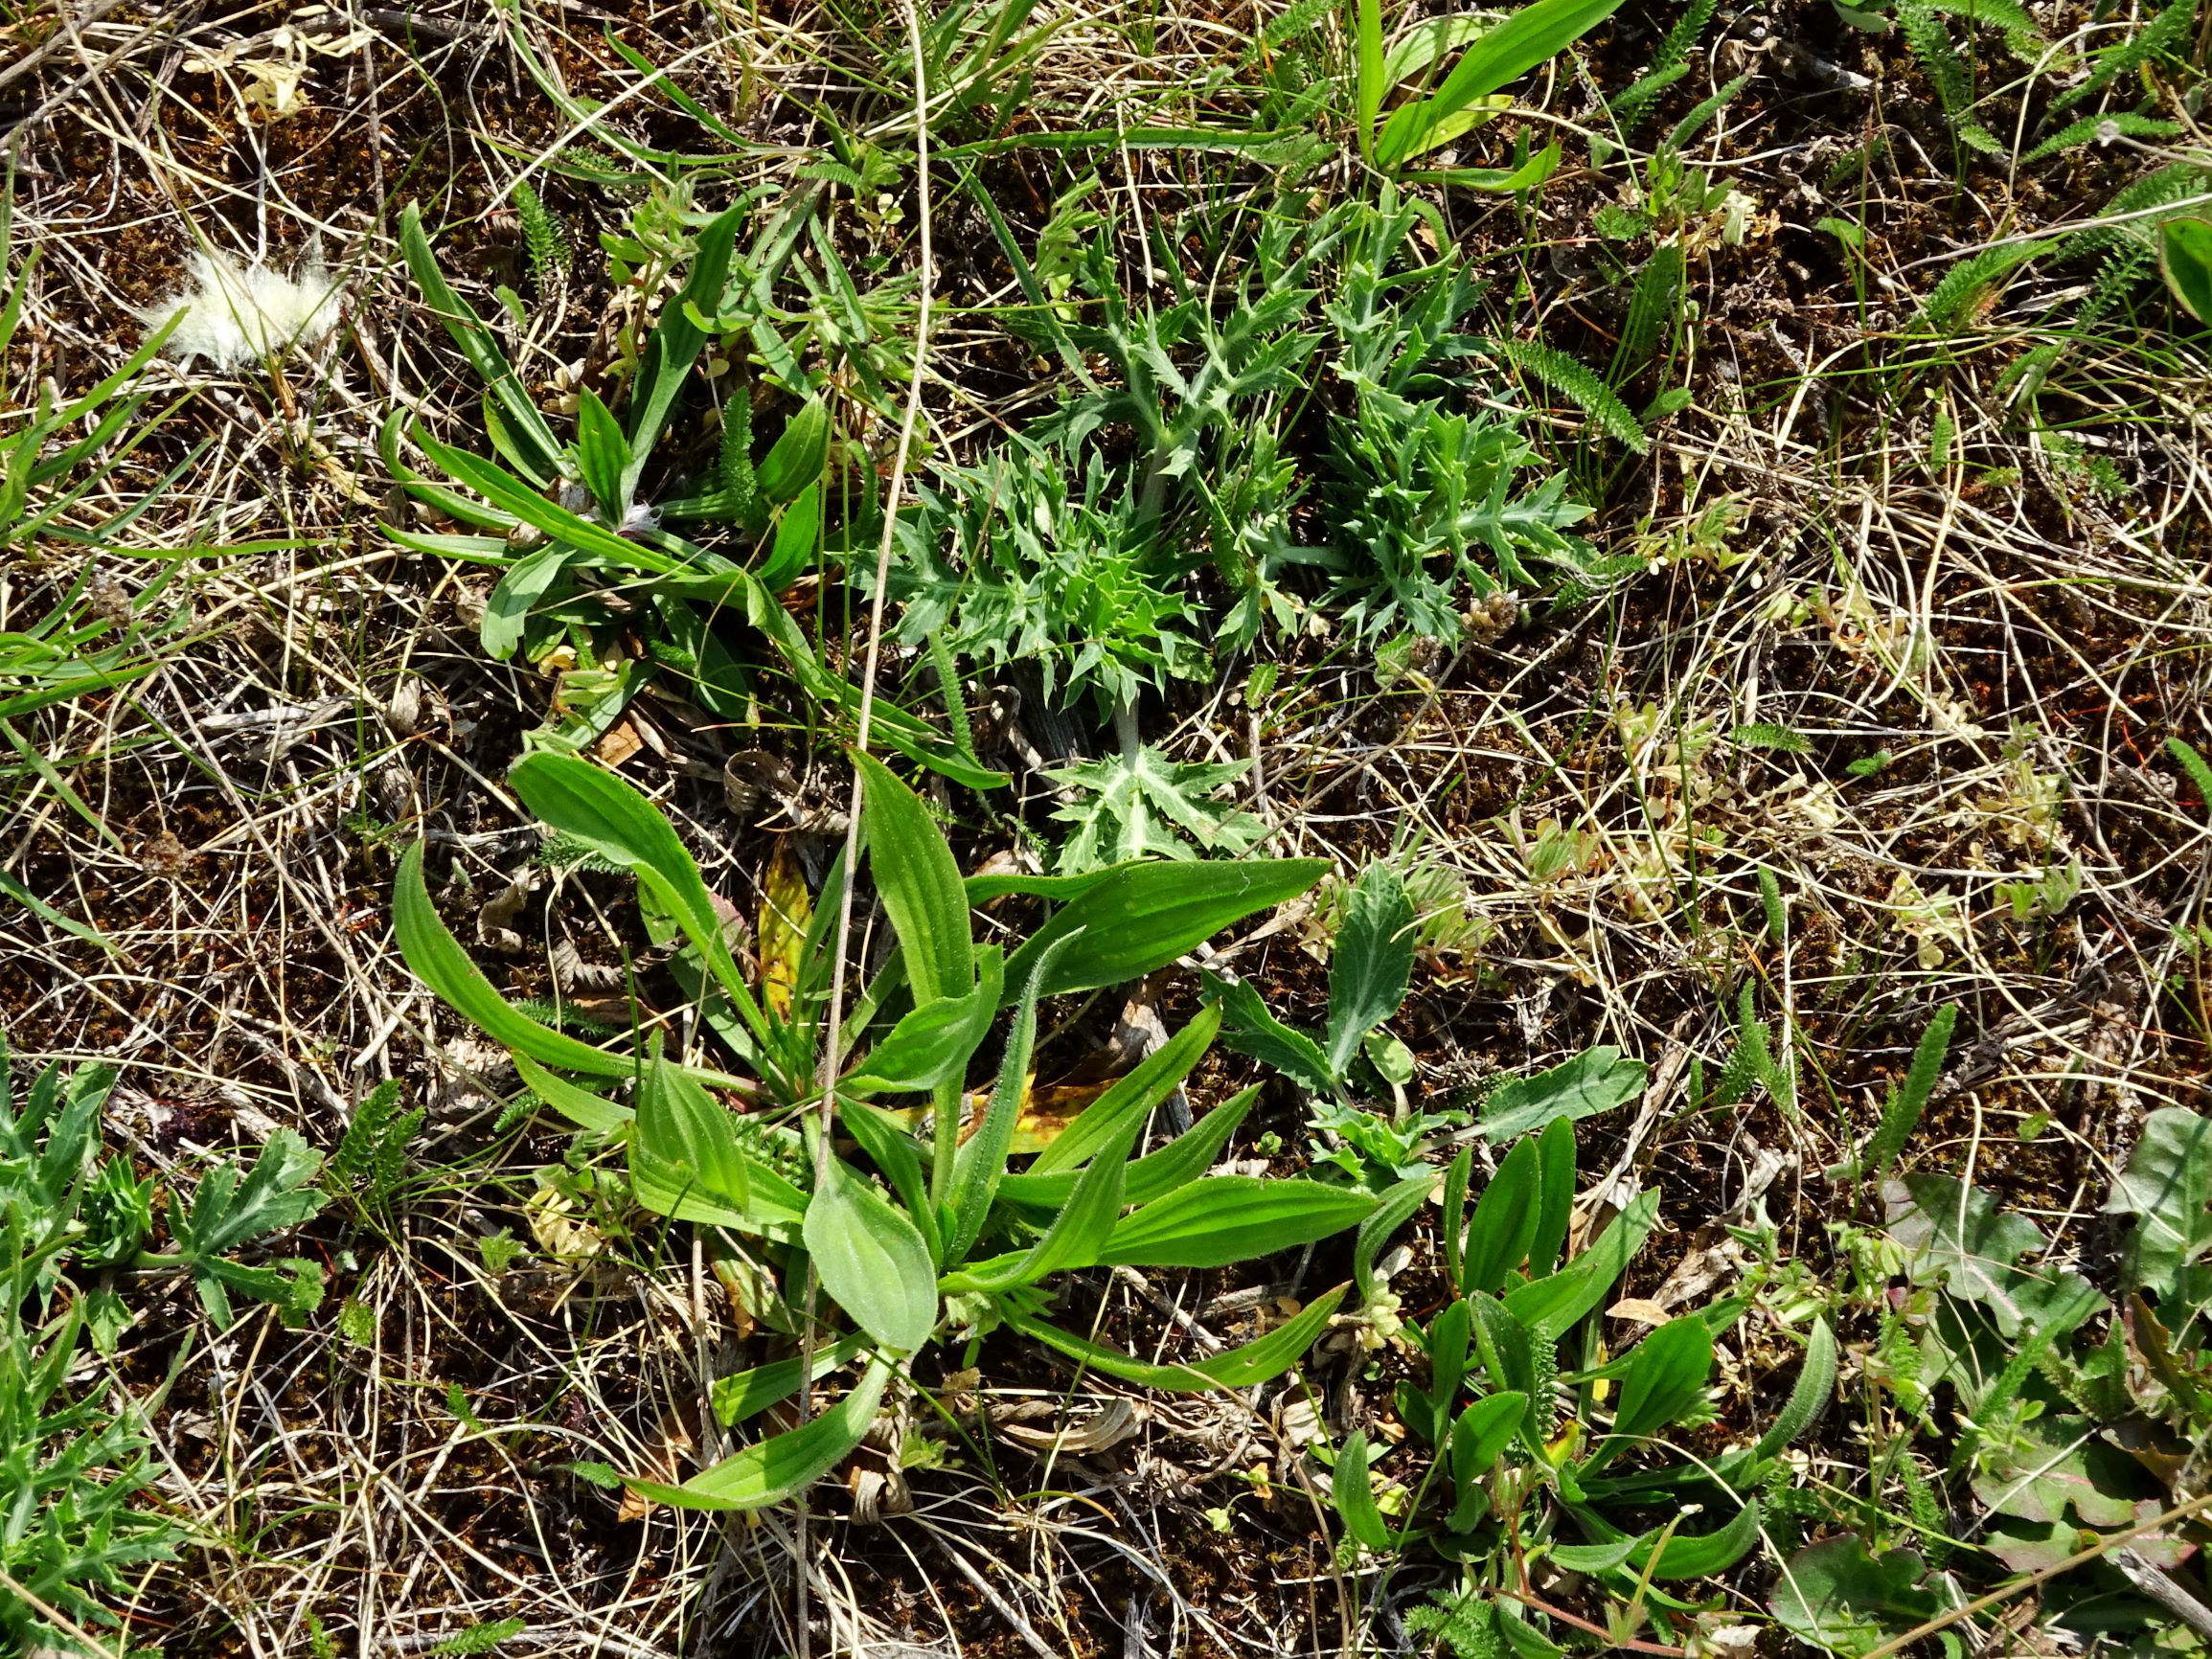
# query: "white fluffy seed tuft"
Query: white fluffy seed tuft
236,315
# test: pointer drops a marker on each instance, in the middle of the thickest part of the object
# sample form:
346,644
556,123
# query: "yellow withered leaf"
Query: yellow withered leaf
1044,1114
786,908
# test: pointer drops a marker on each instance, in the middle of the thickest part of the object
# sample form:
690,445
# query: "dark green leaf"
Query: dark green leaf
798,455
1077,1234
1666,1380
1355,1498
519,588
1250,1029
1155,1175
602,452
674,344
1555,1195
1478,1439
1397,1208
524,424
1703,1555
685,1161
892,1149
594,807
1553,1303
579,1106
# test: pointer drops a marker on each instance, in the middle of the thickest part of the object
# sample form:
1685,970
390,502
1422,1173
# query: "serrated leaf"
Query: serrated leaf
1250,1028
1142,806
1372,963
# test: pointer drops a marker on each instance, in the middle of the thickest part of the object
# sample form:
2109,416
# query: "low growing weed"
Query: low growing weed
943,1240
76,1523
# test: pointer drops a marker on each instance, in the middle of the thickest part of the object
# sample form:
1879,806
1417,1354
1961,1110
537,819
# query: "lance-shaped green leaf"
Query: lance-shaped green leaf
1353,1495
436,958
1478,1439
1555,1302
745,1394
918,883
932,1044
511,494
893,1151
686,1162
1532,35
526,427
1142,917
795,460
1505,1223
1398,1207
674,344
595,806
519,588
1077,1234
2185,257
1130,1097
1555,1195
1154,1176
1224,1218
1246,1367
873,1259
980,1164
602,453
1809,1397
783,1465
579,1106
1667,1380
